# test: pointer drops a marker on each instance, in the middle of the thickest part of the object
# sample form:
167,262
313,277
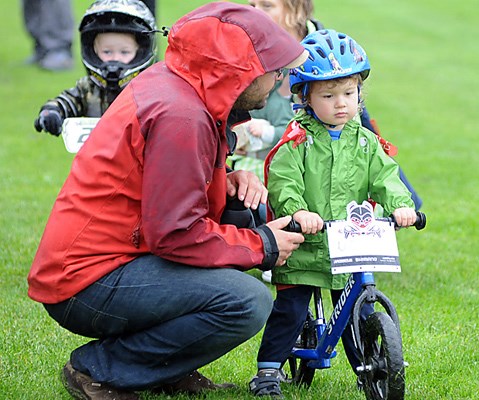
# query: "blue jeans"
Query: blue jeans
156,321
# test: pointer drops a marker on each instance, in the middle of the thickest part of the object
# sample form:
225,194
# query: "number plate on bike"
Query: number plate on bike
361,243
75,132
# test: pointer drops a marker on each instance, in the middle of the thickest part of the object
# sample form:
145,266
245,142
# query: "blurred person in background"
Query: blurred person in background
50,24
117,39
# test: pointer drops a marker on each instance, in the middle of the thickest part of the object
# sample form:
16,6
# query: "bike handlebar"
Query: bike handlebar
420,223
293,226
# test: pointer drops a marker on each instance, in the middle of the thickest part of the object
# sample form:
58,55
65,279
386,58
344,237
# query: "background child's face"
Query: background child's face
274,8
335,102
115,46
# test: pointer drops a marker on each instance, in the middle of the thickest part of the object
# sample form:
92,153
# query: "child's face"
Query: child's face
334,102
114,46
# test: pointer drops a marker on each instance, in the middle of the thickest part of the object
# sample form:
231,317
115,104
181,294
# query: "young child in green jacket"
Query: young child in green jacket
325,160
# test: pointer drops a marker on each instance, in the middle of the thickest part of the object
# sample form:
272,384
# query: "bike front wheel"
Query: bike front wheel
383,376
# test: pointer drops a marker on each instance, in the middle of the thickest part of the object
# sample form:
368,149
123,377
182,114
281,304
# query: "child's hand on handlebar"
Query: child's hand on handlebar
405,216
311,223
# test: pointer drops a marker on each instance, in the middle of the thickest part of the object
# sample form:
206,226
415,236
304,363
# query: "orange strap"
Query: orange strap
388,147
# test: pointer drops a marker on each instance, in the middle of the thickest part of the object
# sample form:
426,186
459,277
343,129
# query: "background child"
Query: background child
325,160
117,40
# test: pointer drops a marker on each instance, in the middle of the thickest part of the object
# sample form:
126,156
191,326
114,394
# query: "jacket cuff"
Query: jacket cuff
271,252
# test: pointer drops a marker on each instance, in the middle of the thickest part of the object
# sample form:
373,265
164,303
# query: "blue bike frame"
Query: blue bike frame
328,335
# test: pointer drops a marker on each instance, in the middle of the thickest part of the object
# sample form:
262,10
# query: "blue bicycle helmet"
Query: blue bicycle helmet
332,55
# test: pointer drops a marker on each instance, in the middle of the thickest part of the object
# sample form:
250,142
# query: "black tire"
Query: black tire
385,379
299,371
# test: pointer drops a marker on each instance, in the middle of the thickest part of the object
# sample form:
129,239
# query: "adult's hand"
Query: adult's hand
247,187
287,242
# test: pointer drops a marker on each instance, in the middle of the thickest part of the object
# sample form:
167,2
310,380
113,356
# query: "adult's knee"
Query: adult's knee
257,304
247,302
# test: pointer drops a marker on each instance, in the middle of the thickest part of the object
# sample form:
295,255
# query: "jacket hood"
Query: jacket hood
220,48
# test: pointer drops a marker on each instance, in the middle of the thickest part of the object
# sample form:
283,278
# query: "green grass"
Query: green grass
423,91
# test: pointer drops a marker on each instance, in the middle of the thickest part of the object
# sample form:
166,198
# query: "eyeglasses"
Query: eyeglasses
279,73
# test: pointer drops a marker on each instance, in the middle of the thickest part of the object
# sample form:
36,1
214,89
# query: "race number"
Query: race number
75,132
361,243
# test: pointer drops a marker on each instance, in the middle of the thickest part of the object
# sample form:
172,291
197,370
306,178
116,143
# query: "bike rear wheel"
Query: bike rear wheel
299,371
301,374
384,375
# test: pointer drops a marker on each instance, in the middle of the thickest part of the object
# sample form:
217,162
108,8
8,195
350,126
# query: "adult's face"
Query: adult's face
274,8
255,95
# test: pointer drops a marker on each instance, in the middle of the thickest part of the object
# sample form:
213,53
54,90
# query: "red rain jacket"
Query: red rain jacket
151,178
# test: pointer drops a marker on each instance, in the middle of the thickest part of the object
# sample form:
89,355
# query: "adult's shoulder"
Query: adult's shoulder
159,90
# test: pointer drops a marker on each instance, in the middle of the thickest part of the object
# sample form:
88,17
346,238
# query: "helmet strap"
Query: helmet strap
311,112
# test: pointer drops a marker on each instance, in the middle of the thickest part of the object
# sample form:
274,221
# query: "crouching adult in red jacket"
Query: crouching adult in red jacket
134,254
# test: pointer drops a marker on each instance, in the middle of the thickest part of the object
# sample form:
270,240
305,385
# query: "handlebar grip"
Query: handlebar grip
420,221
293,226
37,125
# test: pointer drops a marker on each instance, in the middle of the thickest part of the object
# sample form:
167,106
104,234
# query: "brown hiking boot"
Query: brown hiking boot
192,383
81,386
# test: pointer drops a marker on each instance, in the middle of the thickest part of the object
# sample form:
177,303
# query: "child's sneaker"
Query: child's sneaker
266,383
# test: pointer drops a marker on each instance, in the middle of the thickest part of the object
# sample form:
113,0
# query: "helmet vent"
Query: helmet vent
342,48
320,51
351,46
330,43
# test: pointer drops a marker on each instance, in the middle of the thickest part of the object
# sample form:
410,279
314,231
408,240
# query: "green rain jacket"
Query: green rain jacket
321,175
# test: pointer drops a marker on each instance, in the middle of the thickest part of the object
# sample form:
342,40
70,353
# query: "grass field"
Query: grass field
423,91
